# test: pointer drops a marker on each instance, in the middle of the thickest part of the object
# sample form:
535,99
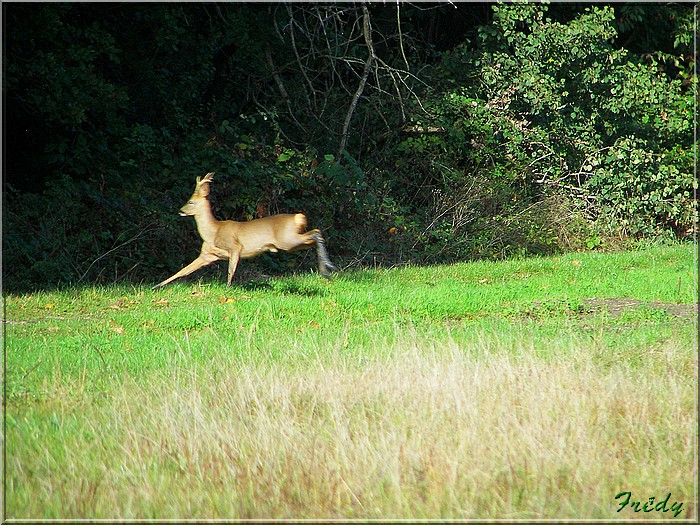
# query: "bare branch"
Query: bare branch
360,88
398,27
322,42
296,54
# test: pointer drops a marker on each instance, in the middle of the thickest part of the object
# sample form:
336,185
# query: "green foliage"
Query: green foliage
644,192
532,135
547,123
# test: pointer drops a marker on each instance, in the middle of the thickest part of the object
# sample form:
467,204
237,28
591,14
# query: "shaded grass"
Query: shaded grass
445,392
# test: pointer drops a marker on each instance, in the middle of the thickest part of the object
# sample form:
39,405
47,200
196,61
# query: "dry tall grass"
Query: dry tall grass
422,432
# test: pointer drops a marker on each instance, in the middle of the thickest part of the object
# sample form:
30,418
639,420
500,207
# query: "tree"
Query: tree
406,132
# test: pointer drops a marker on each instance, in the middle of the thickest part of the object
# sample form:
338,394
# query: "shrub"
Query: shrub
546,124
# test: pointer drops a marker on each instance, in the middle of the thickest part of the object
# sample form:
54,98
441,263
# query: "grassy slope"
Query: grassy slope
471,390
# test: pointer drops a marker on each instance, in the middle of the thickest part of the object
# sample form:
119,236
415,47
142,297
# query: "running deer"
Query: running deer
241,240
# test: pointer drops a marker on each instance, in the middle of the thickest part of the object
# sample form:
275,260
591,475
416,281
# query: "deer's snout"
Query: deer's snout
186,210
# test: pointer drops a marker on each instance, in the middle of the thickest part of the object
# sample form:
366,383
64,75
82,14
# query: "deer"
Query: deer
233,240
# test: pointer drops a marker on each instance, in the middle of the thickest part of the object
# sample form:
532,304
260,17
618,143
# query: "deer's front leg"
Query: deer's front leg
199,262
233,262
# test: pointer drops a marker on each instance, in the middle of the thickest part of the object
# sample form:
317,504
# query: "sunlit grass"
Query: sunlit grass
475,390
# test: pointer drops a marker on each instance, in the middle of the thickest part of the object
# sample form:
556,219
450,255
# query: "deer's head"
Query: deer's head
198,199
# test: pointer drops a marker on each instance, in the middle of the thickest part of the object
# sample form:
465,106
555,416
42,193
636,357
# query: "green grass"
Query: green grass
475,390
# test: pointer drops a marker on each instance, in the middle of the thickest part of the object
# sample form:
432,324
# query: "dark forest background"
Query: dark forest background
418,133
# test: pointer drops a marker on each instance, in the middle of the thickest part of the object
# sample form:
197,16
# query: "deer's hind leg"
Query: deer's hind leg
302,241
325,266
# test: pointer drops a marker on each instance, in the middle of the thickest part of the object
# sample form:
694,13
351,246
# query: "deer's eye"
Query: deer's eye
191,202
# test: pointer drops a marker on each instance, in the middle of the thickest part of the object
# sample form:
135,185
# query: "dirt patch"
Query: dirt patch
616,306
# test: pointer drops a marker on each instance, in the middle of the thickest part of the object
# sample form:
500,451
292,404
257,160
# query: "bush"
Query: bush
546,124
